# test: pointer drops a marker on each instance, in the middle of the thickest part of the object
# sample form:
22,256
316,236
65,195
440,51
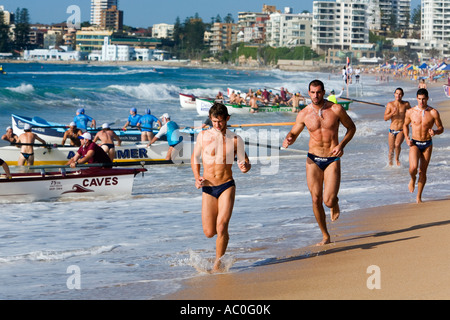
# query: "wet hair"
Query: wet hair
218,110
316,83
422,92
401,90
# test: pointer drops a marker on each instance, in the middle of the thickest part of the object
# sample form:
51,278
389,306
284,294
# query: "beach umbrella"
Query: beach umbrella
423,66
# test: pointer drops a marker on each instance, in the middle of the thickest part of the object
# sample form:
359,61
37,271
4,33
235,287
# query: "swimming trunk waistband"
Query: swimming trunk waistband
109,145
27,155
216,191
395,132
422,145
322,162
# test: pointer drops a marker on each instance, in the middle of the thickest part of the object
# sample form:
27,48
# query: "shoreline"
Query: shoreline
402,247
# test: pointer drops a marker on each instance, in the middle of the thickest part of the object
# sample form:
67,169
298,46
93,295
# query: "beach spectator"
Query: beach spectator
323,166
395,111
217,183
422,119
26,142
10,136
81,120
73,134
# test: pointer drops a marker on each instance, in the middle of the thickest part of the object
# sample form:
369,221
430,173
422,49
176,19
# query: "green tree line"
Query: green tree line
20,33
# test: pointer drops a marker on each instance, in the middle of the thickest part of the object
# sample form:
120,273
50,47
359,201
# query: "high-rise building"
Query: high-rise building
289,29
96,9
436,20
339,24
395,13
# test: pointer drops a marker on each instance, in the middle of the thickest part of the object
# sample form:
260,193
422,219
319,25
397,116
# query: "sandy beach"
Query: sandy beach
389,252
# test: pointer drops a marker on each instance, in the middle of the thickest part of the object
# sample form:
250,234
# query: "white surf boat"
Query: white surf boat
59,154
53,132
89,182
187,101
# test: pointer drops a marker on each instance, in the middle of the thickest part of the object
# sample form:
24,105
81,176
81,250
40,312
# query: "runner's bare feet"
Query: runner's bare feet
335,212
326,240
411,185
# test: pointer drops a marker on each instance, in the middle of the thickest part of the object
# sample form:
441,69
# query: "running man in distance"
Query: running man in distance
422,119
323,166
395,111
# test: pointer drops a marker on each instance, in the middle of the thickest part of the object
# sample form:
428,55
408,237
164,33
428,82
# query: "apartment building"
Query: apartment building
111,19
163,31
223,36
339,24
436,20
252,27
96,9
288,29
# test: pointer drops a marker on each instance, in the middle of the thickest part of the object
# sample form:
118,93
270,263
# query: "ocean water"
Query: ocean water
144,246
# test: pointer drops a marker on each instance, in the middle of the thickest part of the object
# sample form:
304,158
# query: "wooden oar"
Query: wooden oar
360,101
261,124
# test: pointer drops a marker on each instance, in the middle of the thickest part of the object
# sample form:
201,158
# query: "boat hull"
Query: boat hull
187,101
53,132
203,106
125,153
92,182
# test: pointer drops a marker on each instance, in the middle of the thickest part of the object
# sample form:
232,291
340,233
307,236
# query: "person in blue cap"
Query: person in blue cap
81,120
133,119
145,124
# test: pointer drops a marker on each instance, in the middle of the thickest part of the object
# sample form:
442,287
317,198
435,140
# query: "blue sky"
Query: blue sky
145,13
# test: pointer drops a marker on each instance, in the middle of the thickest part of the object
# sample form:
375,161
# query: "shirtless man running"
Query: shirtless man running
395,111
27,140
107,137
217,180
422,118
323,166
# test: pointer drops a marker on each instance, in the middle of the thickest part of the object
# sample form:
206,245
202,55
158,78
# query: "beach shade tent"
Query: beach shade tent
423,66
444,67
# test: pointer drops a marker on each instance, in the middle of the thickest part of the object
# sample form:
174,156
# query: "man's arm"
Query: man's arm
297,128
406,127
348,123
195,161
437,122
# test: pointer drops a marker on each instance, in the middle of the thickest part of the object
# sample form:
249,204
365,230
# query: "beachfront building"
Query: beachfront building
96,9
435,20
288,29
252,27
223,36
339,24
90,39
8,17
61,53
111,19
163,31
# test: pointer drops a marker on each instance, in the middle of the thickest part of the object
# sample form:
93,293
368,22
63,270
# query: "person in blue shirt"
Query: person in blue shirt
145,124
81,120
171,130
133,119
